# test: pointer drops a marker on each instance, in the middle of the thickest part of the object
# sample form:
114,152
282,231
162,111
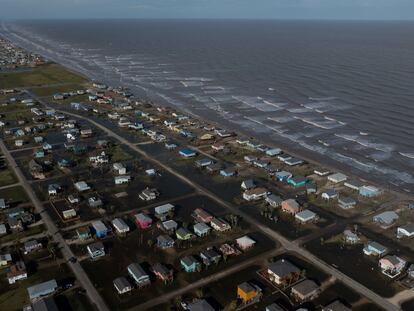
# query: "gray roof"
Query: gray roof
188,260
346,200
97,246
136,270
47,304
305,287
336,306
379,247
201,226
354,183
331,192
305,214
249,183
274,307
387,217
142,217
283,268
200,305
170,224
408,227
246,287
165,238
122,283
274,199
99,226
163,209
42,289
120,224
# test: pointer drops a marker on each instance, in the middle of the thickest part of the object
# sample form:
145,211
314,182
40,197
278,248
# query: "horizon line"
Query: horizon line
208,18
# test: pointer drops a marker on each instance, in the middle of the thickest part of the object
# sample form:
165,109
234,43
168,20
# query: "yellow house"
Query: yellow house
206,137
247,292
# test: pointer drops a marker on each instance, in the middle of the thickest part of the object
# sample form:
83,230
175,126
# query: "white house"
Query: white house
255,194
405,231
305,216
82,186
17,272
120,180
122,285
329,194
119,168
337,178
96,250
120,226
5,260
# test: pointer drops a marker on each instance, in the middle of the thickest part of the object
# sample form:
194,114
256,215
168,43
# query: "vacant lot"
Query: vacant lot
43,75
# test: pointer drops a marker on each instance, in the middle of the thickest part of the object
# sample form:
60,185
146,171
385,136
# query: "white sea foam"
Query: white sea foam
407,155
365,143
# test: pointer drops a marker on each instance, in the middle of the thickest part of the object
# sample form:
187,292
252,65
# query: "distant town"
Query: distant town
111,202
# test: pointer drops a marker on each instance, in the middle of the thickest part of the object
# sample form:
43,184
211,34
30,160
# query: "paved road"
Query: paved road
134,210
288,245
53,231
260,259
10,186
24,239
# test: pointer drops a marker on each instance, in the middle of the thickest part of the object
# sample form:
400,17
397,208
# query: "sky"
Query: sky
241,9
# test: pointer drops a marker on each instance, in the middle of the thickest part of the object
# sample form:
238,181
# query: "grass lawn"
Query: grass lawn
74,300
18,235
7,177
14,297
117,154
50,91
12,107
14,195
47,74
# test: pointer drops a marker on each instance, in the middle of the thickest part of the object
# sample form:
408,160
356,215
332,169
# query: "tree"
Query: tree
200,292
177,301
231,306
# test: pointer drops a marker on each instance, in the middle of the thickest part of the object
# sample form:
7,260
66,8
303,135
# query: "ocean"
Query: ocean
341,93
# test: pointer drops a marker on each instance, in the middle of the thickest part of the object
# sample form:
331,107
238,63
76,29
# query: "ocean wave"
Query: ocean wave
407,155
322,98
327,125
366,143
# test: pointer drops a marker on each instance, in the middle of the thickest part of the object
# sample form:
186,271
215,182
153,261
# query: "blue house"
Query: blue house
165,241
189,264
187,153
170,146
297,182
15,212
283,175
201,229
374,248
39,154
100,229
63,163
228,172
369,191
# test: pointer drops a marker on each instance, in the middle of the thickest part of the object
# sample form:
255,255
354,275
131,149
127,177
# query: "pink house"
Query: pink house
143,221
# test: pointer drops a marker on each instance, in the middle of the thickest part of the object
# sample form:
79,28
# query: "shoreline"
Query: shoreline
333,167
311,157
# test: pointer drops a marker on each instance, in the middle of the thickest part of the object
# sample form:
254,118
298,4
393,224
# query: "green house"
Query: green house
189,264
183,234
298,181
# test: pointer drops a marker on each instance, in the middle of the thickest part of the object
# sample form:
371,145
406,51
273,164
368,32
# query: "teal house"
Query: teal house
297,182
189,264
39,154
201,229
